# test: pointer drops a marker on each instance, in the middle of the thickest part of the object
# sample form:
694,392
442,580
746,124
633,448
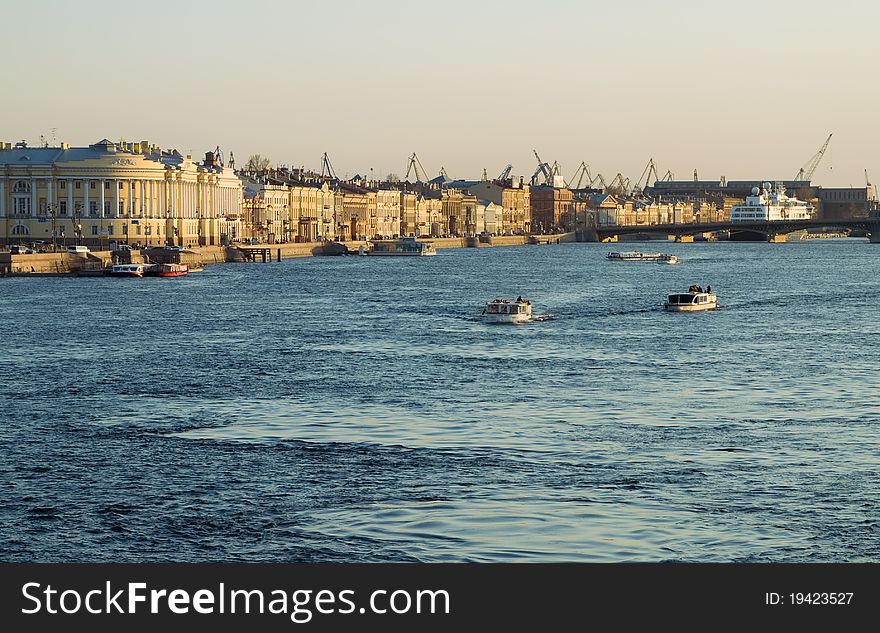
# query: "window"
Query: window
63,184
107,184
77,185
91,184
110,230
22,186
62,207
93,207
94,230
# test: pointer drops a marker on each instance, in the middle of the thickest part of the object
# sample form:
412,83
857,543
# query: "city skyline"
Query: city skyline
749,93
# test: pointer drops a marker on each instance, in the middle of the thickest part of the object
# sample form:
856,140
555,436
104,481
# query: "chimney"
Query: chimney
145,147
209,159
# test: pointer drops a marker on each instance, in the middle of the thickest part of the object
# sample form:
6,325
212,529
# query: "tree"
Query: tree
392,178
257,163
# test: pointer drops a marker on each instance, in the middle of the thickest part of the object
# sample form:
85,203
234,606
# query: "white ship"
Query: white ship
770,204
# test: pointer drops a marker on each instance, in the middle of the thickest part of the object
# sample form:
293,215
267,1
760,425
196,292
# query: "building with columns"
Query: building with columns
136,193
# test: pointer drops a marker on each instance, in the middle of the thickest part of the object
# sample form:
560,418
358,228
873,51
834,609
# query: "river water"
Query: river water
357,409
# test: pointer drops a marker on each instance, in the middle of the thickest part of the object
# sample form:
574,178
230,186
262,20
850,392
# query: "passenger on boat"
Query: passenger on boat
519,299
709,289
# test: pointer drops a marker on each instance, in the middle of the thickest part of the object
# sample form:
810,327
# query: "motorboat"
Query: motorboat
169,270
694,300
407,246
638,256
504,311
130,270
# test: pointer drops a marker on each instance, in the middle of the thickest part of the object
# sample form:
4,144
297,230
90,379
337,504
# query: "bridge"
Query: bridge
772,229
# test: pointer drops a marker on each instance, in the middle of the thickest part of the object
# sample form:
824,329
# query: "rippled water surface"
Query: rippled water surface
356,409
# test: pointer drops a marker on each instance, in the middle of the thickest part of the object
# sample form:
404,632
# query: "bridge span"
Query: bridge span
772,229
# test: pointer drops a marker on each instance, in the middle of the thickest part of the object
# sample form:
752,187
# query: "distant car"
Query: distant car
77,250
19,249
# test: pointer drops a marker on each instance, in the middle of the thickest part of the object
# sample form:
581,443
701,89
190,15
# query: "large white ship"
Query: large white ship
768,204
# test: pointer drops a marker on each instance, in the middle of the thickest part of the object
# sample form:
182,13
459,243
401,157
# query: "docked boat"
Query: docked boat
407,246
694,300
638,256
129,270
169,270
504,311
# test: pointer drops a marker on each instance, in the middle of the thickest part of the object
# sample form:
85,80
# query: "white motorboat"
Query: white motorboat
638,256
694,300
131,270
407,246
504,311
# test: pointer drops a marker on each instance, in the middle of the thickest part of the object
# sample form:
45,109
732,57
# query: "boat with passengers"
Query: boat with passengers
639,256
694,300
504,311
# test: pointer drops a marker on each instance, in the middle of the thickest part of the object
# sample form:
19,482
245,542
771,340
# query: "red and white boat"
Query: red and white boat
170,270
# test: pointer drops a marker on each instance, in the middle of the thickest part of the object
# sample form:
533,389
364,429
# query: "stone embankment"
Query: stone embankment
67,264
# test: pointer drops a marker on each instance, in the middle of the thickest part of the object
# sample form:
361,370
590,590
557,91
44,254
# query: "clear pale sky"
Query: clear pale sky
746,89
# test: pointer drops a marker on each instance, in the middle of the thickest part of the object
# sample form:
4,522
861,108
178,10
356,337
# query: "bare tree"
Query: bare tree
392,178
257,163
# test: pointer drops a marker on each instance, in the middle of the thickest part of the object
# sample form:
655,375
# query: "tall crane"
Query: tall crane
805,173
414,165
583,175
650,168
504,175
327,171
543,169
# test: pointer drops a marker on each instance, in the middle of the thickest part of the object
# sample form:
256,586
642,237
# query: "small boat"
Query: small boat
128,270
638,256
694,300
408,246
169,270
504,311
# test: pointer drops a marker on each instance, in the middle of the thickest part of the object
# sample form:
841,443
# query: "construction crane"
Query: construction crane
504,175
414,165
805,173
218,156
650,168
543,169
582,174
619,186
327,171
668,176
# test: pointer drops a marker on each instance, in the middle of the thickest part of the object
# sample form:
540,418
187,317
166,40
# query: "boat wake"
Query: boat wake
544,317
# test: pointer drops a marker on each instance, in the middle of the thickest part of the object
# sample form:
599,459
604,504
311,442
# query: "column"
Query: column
101,197
2,197
131,207
33,197
143,211
86,184
50,191
70,208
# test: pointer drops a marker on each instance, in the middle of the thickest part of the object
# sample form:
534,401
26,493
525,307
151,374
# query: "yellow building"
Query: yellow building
514,199
316,212
358,211
134,193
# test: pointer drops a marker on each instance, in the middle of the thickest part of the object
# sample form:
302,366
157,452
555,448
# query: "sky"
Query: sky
746,90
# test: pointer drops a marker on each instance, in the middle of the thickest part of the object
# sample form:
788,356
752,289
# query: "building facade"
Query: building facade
514,199
134,193
551,208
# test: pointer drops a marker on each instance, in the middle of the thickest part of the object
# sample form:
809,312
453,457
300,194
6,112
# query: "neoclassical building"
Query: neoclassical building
136,193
